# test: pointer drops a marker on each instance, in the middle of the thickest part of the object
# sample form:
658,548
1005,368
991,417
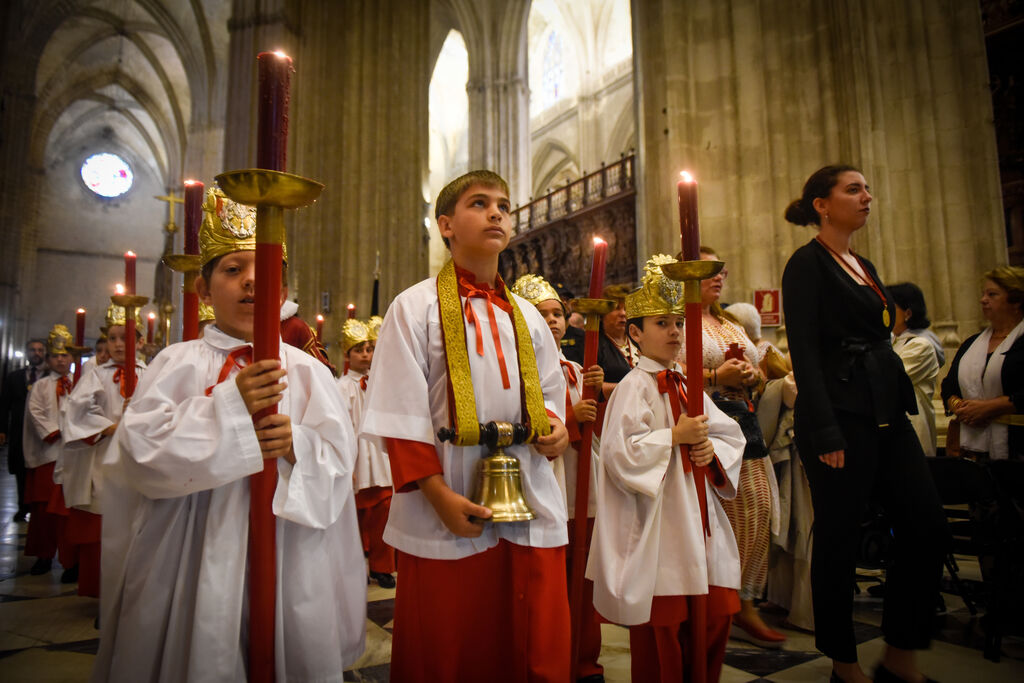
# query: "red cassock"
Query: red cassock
296,332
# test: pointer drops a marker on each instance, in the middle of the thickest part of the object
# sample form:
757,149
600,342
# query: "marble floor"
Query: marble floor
47,633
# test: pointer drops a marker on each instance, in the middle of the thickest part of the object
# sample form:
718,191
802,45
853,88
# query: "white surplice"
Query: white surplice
94,404
176,522
407,399
372,465
42,418
922,366
648,539
566,467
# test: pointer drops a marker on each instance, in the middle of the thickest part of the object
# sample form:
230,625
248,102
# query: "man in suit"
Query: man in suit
12,414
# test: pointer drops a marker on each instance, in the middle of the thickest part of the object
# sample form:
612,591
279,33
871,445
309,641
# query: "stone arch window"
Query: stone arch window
107,174
553,71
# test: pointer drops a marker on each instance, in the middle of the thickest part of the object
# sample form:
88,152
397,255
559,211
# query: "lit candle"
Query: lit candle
80,327
351,311
597,268
193,215
129,271
689,232
119,289
319,328
150,324
275,74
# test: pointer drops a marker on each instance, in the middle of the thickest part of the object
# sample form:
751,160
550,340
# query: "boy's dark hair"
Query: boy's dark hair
449,195
639,322
207,269
909,297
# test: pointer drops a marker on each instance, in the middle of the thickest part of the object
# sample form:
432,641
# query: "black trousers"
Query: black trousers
887,465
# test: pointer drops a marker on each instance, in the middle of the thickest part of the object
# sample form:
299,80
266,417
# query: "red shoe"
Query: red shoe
762,636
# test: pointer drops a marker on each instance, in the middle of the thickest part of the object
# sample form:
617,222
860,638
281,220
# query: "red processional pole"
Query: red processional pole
271,191
188,263
126,297
79,347
593,307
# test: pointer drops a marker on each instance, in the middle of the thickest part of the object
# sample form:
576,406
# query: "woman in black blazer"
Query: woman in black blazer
986,380
853,434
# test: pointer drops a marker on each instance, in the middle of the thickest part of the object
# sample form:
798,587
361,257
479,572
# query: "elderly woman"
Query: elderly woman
919,357
986,381
732,374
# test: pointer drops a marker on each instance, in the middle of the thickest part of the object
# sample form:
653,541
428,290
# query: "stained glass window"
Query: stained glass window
108,175
553,84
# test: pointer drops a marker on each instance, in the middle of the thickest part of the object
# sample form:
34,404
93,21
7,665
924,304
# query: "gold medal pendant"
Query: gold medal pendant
885,317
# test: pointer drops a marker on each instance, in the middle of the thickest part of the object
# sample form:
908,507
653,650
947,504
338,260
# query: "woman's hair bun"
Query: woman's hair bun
796,213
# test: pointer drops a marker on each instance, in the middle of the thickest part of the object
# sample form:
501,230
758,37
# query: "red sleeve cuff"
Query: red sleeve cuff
94,439
571,425
52,437
410,462
716,475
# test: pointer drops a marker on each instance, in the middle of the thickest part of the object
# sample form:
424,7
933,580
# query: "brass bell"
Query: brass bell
500,489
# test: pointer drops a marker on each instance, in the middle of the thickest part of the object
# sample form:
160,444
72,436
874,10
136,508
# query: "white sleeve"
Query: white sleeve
313,492
397,396
635,452
84,412
176,441
42,409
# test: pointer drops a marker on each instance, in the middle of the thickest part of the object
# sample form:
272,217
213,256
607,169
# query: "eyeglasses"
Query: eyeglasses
723,273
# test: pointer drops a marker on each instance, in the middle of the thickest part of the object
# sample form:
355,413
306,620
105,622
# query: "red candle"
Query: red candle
129,271
319,328
80,327
150,323
597,268
193,215
351,311
689,232
275,74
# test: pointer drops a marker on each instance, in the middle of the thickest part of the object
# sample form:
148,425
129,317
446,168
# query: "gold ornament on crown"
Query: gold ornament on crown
657,295
59,340
116,315
354,332
227,227
534,289
373,325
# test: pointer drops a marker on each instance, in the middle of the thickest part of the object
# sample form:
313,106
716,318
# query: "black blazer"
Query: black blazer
1012,376
12,412
842,353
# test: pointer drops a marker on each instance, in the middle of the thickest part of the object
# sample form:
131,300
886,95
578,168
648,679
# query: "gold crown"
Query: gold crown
373,325
59,339
116,315
227,227
354,332
534,289
206,313
658,295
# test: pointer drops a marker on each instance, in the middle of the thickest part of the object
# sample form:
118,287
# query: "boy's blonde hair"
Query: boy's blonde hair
449,195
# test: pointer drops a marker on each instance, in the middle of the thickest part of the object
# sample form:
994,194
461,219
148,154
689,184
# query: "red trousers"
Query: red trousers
372,507
500,616
662,649
44,528
83,533
590,625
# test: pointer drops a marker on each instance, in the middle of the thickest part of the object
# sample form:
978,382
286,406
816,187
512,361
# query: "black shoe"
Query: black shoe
383,580
21,515
592,678
883,675
70,575
42,566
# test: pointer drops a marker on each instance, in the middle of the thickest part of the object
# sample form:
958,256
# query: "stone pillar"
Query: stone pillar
360,126
753,99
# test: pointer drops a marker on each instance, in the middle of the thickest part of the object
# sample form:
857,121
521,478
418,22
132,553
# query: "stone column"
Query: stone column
753,99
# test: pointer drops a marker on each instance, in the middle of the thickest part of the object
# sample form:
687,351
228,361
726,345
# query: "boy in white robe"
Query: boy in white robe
89,419
175,553
478,600
651,552
578,411
42,449
373,471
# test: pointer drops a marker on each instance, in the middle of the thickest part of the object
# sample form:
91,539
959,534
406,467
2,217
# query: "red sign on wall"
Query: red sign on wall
769,305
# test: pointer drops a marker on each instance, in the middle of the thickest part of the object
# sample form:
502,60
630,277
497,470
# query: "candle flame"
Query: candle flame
80,311
191,182
687,178
129,254
281,54
119,289
319,318
351,307
598,240
152,316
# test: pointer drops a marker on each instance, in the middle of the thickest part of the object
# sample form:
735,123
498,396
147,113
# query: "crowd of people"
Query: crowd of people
696,525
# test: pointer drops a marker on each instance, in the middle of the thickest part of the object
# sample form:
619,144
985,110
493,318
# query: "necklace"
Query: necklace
869,281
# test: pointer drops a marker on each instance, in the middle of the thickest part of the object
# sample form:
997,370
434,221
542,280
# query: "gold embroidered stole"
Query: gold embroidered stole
461,397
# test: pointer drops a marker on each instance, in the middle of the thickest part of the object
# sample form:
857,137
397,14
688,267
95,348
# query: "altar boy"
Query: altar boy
175,589
477,600
651,552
